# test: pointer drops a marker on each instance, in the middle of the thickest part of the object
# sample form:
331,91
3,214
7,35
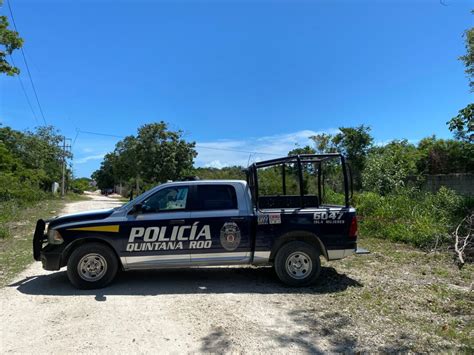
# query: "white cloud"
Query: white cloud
246,151
381,143
89,158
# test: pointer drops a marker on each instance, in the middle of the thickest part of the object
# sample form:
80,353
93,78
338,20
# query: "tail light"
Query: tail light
353,228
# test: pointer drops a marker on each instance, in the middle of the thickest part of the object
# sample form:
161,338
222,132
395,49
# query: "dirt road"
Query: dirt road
198,310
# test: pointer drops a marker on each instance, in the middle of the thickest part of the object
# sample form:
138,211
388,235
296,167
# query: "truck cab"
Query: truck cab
275,217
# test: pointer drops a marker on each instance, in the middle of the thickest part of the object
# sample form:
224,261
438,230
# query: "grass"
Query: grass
18,227
420,300
419,218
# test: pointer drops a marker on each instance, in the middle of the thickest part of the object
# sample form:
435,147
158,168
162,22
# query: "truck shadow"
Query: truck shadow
186,281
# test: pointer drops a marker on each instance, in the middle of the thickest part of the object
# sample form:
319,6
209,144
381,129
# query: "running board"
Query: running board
361,251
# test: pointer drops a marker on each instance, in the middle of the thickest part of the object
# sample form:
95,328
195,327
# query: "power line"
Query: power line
100,134
75,138
197,145
235,150
27,67
24,91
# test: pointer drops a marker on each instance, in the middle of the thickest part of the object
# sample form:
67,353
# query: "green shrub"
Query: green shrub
332,197
80,185
387,168
411,216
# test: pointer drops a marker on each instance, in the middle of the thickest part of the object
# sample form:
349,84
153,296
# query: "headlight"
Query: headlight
54,237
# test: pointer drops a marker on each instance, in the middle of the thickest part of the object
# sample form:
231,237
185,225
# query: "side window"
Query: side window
216,197
168,199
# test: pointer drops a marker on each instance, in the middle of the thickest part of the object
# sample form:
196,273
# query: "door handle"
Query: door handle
237,218
177,221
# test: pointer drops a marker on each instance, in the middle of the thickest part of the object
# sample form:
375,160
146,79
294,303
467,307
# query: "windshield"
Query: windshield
134,201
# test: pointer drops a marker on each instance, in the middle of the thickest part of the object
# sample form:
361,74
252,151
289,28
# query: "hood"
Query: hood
79,217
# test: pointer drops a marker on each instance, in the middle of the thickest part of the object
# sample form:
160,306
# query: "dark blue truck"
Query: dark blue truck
210,222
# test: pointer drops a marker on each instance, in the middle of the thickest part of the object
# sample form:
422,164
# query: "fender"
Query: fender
80,239
298,235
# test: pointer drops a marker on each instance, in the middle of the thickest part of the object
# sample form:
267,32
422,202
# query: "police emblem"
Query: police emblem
230,236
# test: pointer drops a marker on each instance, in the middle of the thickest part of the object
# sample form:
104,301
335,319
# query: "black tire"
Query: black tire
307,258
100,255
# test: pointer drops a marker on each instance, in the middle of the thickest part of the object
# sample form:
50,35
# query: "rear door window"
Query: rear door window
216,197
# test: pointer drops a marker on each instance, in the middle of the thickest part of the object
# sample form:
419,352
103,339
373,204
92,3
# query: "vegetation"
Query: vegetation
81,184
468,58
29,163
18,226
231,172
388,167
155,155
420,218
414,301
10,41
463,124
353,142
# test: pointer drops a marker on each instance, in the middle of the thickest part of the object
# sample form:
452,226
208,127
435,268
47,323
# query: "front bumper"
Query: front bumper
49,255
38,239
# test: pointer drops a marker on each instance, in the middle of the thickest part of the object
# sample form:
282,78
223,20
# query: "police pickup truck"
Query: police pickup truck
211,222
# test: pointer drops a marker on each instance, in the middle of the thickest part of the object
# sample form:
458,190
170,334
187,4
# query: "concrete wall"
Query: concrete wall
461,183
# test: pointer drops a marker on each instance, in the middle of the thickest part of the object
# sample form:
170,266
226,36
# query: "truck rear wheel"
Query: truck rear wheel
298,264
92,265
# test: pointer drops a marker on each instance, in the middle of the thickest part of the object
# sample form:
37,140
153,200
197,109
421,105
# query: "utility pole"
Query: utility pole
63,182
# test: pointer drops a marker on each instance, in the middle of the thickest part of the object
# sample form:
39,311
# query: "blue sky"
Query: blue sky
240,75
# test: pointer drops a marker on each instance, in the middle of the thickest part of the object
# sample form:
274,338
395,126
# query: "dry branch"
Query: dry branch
463,240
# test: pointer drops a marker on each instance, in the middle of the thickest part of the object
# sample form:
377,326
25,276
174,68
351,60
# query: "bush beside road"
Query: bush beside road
17,224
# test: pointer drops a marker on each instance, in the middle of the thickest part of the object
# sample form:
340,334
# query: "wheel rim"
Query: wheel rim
299,265
92,267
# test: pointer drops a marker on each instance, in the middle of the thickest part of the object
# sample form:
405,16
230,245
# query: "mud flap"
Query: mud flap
38,239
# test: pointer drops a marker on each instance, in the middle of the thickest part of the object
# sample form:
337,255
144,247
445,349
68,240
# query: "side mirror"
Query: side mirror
136,208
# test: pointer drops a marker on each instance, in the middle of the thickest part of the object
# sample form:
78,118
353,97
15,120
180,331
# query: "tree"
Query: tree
105,176
29,162
463,124
163,154
468,58
323,143
302,150
126,165
81,184
9,40
387,168
440,156
353,142
225,173
153,156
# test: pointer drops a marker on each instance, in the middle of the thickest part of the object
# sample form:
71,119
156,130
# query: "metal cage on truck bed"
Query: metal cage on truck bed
300,200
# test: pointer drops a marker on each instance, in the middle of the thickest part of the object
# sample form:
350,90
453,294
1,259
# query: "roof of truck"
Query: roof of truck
187,182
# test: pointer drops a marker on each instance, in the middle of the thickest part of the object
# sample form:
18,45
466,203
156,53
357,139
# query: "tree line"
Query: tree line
157,154
30,162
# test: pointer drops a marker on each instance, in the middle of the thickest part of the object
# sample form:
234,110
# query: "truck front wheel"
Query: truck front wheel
92,265
297,264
